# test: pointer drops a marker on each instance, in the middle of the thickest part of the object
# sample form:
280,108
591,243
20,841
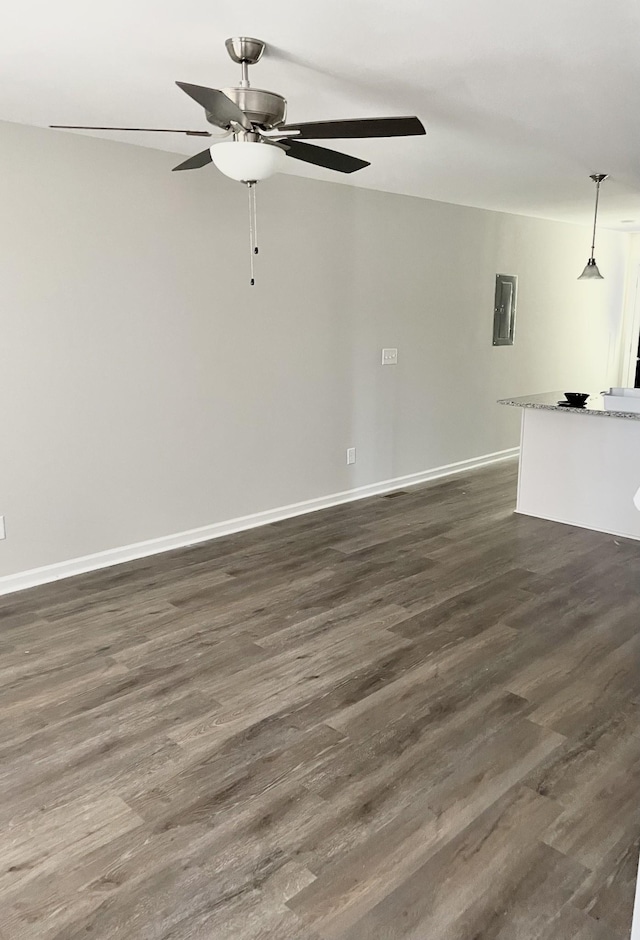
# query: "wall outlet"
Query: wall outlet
351,455
3,530
389,357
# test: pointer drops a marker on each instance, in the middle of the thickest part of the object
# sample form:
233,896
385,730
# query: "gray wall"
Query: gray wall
146,389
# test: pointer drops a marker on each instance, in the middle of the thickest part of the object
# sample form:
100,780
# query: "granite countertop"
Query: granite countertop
548,401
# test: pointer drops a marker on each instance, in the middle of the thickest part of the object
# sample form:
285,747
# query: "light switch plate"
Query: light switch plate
389,357
3,531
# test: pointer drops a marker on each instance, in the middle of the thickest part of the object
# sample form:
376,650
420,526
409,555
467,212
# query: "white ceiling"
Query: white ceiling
521,100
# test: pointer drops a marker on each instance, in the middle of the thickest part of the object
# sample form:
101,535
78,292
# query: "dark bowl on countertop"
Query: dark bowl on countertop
576,398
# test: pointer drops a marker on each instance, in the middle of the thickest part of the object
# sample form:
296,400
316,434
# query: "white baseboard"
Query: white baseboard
581,525
116,556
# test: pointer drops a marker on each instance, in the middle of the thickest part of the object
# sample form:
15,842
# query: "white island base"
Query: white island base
580,467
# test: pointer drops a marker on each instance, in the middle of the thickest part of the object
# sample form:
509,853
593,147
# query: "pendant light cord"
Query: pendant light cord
595,219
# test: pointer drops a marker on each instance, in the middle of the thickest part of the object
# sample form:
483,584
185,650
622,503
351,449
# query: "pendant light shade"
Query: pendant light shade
591,272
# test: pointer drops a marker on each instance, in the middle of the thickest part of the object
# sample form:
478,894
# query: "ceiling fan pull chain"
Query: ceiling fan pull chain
255,219
252,243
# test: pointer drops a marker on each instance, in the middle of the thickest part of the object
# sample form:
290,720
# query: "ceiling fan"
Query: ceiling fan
254,119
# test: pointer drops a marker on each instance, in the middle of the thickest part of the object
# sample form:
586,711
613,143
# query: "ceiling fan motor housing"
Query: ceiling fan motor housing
266,109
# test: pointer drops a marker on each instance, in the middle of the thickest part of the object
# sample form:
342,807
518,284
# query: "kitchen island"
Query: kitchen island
580,466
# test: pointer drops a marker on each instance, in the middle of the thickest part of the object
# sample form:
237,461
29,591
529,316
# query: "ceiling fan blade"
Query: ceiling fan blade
152,130
358,127
194,163
220,109
322,156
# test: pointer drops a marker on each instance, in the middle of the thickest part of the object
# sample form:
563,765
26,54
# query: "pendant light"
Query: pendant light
591,271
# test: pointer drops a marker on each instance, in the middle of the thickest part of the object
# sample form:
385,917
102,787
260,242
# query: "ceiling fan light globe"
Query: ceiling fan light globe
247,161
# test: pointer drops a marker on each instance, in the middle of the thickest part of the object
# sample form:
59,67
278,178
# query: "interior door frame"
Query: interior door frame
633,338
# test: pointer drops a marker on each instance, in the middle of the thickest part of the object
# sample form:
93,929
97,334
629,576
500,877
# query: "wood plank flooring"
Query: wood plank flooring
411,717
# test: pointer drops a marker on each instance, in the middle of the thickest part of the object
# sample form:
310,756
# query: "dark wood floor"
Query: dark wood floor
408,717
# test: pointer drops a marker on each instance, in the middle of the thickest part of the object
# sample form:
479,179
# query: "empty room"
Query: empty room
320,470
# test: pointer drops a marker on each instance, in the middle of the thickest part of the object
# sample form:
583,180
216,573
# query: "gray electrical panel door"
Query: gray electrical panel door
504,309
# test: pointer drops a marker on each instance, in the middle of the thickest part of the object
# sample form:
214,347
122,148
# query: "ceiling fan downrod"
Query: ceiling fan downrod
245,52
